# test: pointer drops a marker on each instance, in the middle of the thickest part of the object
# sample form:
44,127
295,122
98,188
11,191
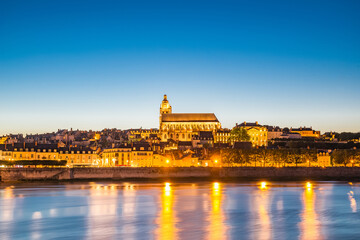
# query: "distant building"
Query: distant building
222,136
138,134
134,155
306,132
257,132
182,126
204,139
323,159
75,156
290,135
273,132
141,156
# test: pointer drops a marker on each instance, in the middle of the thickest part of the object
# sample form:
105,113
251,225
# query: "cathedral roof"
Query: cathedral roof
189,117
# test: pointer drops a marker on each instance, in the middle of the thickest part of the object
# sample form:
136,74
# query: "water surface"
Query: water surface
199,210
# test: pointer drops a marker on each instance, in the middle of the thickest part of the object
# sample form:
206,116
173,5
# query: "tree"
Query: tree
297,156
310,156
264,155
239,134
237,156
340,156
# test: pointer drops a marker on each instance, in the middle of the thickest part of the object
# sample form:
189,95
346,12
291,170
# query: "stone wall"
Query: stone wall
235,173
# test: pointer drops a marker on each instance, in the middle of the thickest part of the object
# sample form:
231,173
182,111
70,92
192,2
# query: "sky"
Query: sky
107,64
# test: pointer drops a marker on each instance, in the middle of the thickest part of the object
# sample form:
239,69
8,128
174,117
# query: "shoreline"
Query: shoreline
155,174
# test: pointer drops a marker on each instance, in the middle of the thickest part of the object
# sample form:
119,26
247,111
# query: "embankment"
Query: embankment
231,173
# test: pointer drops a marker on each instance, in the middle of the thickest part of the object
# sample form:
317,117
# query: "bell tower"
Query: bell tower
164,107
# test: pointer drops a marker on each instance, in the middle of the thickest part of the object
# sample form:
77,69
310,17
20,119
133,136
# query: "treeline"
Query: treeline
34,162
346,156
269,157
285,157
347,136
311,143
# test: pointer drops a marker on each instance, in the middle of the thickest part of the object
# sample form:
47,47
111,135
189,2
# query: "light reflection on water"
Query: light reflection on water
173,210
167,218
310,226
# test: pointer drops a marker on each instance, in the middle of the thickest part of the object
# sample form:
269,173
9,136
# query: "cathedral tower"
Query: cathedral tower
165,107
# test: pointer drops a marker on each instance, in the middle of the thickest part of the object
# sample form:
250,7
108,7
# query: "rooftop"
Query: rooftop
189,117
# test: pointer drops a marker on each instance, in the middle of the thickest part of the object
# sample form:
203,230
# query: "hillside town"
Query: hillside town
183,139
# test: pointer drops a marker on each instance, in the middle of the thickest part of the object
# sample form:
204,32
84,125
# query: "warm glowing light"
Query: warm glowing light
310,224
206,164
167,161
216,226
216,161
263,185
167,186
216,188
167,218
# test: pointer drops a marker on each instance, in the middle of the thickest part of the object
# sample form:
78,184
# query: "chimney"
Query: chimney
256,123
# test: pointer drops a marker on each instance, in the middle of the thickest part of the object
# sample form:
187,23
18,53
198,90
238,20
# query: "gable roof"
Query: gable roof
189,117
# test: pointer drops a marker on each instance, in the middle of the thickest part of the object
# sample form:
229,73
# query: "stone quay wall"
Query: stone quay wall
233,173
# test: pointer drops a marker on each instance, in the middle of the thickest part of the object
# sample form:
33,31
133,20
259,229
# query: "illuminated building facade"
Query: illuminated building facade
306,132
28,151
139,155
78,156
117,156
182,126
222,136
323,159
257,133
138,134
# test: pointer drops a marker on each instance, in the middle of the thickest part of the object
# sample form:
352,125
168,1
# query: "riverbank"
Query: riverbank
233,173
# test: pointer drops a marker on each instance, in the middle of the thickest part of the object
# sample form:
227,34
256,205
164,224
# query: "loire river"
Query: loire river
199,210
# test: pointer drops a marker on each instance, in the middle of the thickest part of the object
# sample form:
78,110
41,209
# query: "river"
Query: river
180,210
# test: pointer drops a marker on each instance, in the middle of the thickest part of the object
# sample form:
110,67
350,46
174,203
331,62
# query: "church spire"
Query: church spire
165,106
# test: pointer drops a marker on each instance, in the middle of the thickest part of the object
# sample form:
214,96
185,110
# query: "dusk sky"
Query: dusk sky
106,64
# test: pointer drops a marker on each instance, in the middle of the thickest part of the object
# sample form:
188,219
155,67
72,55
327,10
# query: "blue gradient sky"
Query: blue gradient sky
107,64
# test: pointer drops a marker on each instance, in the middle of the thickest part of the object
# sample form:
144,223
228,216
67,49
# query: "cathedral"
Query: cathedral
183,126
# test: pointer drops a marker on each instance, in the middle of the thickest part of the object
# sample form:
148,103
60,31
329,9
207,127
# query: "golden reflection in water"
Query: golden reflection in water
260,204
7,214
263,185
217,227
310,224
167,219
102,204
